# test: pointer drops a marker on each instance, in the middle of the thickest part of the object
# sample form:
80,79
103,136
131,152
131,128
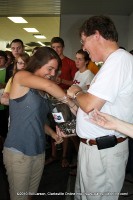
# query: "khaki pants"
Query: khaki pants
24,173
100,173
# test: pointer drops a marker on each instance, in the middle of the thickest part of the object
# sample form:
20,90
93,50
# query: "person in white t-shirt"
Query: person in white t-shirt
103,153
83,76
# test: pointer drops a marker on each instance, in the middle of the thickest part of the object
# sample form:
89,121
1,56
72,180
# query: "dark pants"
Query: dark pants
4,114
130,158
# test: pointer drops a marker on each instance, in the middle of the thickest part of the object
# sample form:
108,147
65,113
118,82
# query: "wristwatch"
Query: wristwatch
76,94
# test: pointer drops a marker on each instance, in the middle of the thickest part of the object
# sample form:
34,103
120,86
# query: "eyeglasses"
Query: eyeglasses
86,38
20,63
81,41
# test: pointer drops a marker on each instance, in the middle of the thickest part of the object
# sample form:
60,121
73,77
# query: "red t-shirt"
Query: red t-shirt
68,71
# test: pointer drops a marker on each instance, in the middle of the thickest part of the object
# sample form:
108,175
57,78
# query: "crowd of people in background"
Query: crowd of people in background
25,81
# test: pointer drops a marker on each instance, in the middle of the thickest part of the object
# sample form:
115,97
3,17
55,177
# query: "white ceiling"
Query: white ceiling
44,15
48,26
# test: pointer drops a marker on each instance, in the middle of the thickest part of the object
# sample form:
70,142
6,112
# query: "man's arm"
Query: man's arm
86,101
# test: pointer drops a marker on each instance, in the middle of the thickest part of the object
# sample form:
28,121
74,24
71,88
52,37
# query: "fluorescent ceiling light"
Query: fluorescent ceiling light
17,19
33,30
41,43
39,36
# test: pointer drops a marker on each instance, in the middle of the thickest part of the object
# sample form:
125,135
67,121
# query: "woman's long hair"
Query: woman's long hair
41,57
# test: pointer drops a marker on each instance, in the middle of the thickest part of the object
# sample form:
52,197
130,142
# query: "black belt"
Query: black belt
93,142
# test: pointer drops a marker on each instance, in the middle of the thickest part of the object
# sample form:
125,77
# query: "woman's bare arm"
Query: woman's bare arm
111,122
49,131
5,98
24,80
